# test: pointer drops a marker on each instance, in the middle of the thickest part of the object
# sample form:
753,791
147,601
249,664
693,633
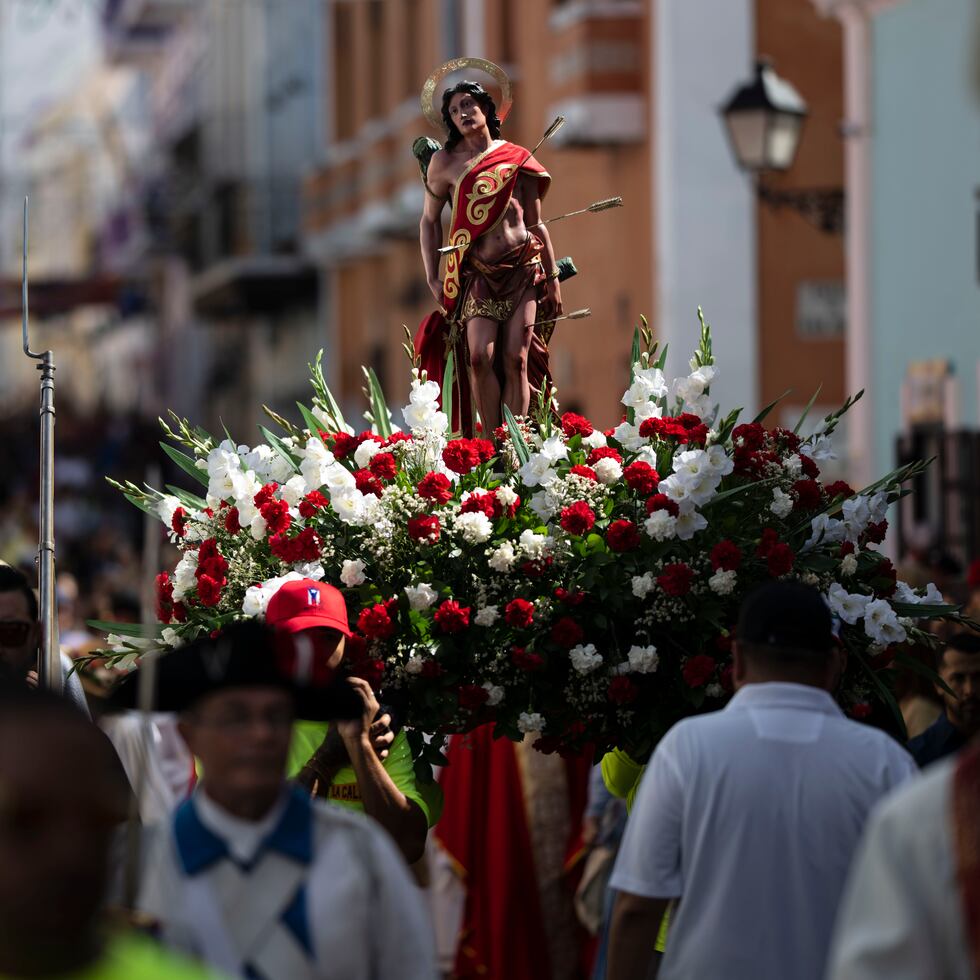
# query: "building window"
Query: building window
343,44
452,29
412,81
376,71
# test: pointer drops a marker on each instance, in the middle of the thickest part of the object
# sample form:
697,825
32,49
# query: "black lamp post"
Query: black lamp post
764,121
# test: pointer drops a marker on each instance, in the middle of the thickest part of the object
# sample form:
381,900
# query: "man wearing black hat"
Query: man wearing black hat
748,817
251,875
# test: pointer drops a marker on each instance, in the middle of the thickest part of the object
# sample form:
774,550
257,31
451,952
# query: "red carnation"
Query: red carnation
603,452
750,436
265,494
860,711
460,455
180,612
232,525
375,623
641,477
481,503
431,668
768,540
566,633
526,659
660,501
367,482
780,559
451,617
383,466
846,548
424,528
178,522
577,518
838,489
676,578
574,598
341,444
484,448
397,437
311,503
585,471
277,517
807,495
307,545
622,536
875,533
211,562
472,697
726,556
575,425
164,597
884,579
208,590
809,467
698,670
622,690
519,613
435,487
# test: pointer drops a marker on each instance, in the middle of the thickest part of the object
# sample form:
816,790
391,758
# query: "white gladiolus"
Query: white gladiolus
585,659
421,596
782,503
850,607
223,462
165,507
496,694
688,523
294,490
352,573
881,623
825,530
608,470
661,526
643,660
629,436
722,582
530,721
719,460
475,527
595,440
487,616
821,449
643,585
537,471
554,449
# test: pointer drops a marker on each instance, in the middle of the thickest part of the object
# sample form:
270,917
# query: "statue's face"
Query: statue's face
466,113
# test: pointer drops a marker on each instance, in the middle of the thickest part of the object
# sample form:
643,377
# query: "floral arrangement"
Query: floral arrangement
577,584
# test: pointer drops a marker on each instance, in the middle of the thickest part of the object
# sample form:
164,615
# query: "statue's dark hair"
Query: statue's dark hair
483,99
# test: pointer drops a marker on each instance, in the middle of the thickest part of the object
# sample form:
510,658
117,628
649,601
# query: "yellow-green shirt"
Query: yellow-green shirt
309,735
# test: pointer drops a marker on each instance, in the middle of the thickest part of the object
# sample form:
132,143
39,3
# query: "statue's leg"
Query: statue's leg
518,331
481,335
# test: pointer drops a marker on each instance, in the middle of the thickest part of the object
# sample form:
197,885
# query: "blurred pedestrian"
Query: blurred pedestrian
958,666
911,908
749,816
251,875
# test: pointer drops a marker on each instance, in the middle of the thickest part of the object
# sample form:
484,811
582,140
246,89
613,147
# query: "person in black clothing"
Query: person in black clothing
959,668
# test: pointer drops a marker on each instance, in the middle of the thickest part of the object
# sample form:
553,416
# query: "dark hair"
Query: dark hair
12,580
786,622
482,98
964,641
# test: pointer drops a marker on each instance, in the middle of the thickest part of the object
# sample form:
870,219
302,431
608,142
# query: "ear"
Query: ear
739,667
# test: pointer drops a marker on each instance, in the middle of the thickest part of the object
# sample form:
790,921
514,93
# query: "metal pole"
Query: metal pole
49,671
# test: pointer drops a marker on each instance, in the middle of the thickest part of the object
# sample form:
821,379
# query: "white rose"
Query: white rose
642,585
352,573
585,659
421,596
722,582
661,526
850,607
475,528
365,452
487,616
502,558
608,470
530,721
643,660
782,503
881,623
496,694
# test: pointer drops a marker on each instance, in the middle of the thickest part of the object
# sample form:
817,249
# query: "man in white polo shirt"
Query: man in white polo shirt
748,817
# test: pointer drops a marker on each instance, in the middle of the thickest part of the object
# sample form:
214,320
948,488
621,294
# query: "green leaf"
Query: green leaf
311,421
885,693
806,411
280,447
925,610
382,417
448,376
188,499
516,436
771,406
634,358
186,463
143,505
138,630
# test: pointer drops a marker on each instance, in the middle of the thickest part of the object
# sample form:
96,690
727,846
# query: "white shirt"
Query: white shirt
751,815
901,917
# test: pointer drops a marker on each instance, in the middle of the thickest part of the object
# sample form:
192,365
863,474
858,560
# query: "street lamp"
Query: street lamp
764,121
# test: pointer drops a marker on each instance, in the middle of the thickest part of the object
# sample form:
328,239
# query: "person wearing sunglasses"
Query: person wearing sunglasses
20,635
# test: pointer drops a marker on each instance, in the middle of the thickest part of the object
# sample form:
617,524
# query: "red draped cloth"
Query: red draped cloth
479,201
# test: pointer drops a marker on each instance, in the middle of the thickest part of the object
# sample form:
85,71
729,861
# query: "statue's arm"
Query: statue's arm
430,227
531,201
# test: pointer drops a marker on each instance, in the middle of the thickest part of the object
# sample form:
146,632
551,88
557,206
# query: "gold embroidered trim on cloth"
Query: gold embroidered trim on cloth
492,309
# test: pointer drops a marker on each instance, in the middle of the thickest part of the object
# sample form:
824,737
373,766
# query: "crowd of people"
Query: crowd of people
266,820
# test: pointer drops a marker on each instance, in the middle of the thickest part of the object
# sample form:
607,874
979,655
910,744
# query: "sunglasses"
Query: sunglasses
13,632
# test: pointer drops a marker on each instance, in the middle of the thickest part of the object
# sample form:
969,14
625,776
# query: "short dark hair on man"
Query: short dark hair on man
483,99
786,622
963,641
12,580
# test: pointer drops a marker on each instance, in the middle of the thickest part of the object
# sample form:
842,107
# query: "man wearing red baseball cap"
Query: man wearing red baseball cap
360,764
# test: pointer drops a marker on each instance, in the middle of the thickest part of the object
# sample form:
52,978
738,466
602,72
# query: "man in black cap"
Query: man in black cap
749,816
251,875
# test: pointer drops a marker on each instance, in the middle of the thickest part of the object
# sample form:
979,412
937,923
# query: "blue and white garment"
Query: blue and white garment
308,892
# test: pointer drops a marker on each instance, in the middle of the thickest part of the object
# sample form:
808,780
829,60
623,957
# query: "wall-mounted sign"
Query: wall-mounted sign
821,309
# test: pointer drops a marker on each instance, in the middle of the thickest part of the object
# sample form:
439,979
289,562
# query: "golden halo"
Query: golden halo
497,73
